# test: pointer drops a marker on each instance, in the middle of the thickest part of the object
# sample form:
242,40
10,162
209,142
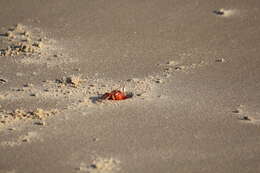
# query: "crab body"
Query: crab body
114,95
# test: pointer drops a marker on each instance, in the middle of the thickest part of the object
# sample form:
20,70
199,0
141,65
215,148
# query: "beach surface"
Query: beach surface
192,69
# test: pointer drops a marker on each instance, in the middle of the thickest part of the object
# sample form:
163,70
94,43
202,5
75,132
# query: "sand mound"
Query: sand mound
31,46
20,41
20,114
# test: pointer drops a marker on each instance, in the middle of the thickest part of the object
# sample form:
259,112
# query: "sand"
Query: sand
192,68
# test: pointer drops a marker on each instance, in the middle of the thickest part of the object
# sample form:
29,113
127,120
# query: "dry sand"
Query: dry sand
193,68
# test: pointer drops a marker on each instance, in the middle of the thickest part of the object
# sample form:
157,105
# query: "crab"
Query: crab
115,95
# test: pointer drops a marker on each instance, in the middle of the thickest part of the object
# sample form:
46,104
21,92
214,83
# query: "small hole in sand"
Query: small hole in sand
129,95
219,12
94,166
245,118
235,111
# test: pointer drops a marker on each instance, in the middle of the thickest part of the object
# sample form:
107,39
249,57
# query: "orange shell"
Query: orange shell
115,95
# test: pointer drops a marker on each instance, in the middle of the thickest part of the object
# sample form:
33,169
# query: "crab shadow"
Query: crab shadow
95,99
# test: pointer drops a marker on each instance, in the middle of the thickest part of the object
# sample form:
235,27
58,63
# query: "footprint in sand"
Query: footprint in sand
173,66
225,12
100,165
28,138
245,114
220,60
3,81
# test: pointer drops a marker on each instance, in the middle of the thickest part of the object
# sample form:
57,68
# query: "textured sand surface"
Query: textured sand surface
193,68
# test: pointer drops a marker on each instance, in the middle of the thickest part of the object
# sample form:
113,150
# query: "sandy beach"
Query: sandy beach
191,70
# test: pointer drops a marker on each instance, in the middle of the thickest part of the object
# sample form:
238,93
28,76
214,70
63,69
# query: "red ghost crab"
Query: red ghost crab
116,95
